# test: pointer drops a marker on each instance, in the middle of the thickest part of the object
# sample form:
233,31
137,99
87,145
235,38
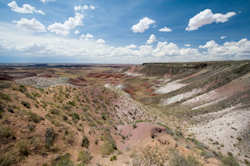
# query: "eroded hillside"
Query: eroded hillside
152,114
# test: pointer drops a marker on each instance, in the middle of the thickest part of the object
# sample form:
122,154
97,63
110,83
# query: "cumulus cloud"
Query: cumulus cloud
15,41
223,37
77,32
165,29
187,45
44,1
237,50
25,9
207,17
64,28
151,39
84,7
86,36
100,41
142,25
31,24
131,46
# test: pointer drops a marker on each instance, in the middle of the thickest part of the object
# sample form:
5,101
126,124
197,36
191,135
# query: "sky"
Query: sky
127,31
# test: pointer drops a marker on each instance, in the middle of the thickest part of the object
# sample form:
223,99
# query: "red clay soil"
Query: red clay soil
80,81
106,75
143,131
15,75
5,77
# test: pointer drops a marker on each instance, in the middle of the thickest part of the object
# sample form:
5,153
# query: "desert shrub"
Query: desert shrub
63,160
229,161
6,134
168,130
104,116
198,144
31,127
54,111
72,103
5,96
7,159
113,158
26,104
207,154
75,117
65,118
49,137
4,85
109,145
84,157
85,142
22,88
150,156
23,148
34,117
178,160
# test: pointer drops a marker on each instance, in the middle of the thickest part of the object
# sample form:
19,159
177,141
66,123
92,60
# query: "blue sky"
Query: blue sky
112,31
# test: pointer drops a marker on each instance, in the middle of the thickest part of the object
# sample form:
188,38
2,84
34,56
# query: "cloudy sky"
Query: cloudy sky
128,31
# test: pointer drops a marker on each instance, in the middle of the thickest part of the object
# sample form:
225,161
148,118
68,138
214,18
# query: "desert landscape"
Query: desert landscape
177,114
124,83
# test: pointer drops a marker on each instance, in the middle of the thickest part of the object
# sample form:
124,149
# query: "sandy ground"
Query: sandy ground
208,104
133,74
41,82
224,130
180,97
169,87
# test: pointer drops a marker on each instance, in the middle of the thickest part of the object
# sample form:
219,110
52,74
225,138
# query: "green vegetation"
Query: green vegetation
63,160
229,161
7,159
6,134
75,117
26,104
49,137
113,158
23,148
85,142
178,160
108,146
150,156
34,117
5,96
84,157
22,89
4,85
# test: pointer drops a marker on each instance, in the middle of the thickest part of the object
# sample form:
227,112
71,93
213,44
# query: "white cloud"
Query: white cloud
100,41
86,36
25,9
236,49
92,7
31,24
223,37
17,42
131,46
142,25
64,28
44,1
187,45
77,32
84,7
165,29
207,17
151,39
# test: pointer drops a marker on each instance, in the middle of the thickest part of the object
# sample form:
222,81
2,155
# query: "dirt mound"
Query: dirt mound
80,81
15,75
